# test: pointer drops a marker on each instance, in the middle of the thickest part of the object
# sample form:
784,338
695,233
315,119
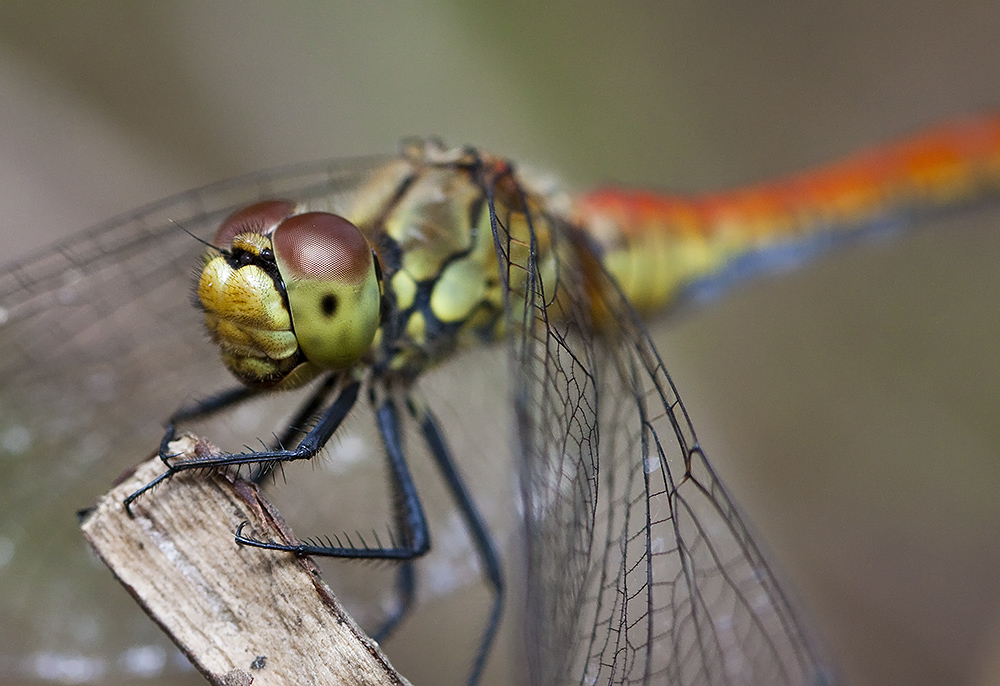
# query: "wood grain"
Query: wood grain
242,615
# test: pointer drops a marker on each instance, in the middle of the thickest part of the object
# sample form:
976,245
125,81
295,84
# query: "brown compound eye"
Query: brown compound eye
332,285
319,245
260,218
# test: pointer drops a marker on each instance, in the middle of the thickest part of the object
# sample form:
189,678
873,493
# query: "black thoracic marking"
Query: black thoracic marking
329,304
475,212
390,252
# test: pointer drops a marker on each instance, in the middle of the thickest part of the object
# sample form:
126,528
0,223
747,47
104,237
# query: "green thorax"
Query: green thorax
428,217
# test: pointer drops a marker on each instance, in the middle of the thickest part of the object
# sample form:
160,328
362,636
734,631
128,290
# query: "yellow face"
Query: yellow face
290,295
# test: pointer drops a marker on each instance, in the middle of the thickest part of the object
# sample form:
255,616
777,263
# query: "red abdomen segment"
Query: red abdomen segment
660,246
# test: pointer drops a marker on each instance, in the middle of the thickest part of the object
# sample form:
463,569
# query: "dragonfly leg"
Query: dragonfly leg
203,408
294,429
483,542
306,449
405,590
409,513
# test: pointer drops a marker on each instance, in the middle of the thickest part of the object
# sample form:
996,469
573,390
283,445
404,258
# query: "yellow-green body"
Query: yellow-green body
427,216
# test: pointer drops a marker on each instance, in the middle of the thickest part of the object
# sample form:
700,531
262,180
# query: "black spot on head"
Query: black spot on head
260,662
328,304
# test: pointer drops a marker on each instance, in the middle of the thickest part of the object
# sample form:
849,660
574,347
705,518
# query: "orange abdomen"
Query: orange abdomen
659,246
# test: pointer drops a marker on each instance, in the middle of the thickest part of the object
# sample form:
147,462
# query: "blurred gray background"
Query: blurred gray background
851,406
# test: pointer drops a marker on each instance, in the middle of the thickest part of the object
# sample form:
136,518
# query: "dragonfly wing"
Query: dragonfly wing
99,343
639,567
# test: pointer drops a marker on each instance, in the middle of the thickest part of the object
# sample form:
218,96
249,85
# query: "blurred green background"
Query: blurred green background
851,406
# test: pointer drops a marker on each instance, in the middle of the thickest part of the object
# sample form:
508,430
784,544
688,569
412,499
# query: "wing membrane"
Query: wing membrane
98,345
640,569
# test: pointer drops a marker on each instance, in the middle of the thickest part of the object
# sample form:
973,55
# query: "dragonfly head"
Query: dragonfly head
289,295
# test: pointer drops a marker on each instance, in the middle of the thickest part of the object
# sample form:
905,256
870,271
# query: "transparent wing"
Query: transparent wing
97,346
640,568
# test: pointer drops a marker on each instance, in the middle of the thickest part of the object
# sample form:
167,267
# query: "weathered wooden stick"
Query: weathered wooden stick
240,614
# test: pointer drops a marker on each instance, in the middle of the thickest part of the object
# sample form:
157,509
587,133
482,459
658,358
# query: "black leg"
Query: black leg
203,408
405,588
294,429
307,447
409,513
483,542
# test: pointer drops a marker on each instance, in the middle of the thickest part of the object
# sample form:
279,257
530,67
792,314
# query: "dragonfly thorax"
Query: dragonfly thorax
434,236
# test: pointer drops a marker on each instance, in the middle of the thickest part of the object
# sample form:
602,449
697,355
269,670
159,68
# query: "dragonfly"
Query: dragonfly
635,565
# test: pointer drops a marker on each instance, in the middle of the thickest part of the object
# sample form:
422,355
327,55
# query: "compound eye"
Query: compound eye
334,294
260,218
318,245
